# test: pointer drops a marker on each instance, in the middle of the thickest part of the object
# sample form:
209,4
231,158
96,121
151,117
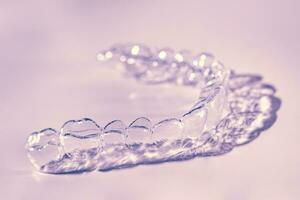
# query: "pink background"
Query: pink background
48,74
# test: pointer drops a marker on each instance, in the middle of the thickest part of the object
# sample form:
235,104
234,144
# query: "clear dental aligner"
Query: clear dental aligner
232,110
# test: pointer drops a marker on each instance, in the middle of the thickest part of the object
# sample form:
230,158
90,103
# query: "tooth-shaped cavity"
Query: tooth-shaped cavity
43,147
216,109
139,131
114,133
116,126
168,129
194,122
78,135
203,60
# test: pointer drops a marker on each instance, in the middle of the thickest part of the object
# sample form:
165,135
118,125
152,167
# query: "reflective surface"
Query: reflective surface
47,58
252,108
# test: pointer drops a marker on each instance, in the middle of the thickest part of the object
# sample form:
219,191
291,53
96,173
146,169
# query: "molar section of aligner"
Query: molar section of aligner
80,136
114,135
167,130
194,122
216,107
42,147
139,132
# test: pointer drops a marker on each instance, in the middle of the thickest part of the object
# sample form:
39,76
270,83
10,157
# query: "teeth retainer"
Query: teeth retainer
232,110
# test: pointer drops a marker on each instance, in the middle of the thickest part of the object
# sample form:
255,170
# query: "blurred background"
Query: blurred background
49,74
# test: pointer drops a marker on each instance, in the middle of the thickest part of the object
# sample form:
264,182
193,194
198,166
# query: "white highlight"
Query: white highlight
135,50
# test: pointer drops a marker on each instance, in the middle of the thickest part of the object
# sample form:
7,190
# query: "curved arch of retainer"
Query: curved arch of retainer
232,110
